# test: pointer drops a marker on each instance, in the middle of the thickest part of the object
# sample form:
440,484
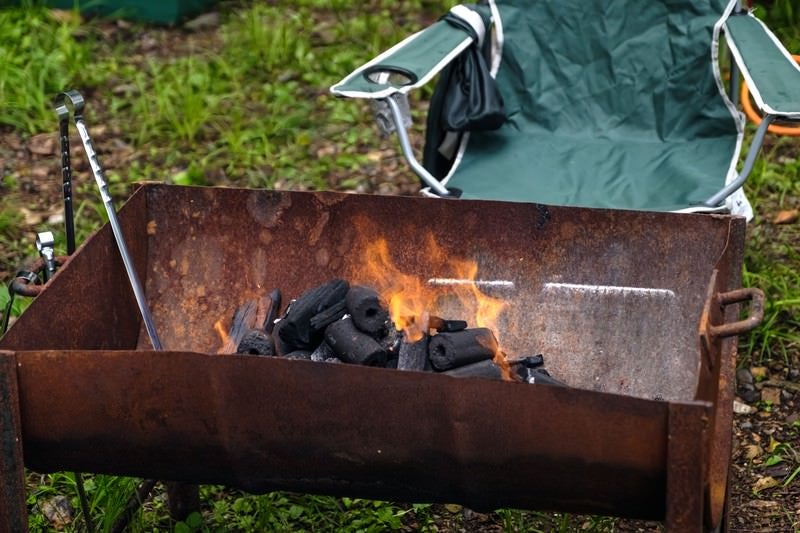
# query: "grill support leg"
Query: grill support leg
13,511
686,456
182,500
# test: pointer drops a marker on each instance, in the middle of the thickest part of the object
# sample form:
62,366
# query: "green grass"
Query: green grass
772,257
40,56
249,106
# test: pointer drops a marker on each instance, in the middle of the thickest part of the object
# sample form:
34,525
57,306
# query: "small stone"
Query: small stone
778,471
742,408
794,374
41,171
758,372
787,395
792,418
57,510
746,426
744,377
43,144
750,396
771,395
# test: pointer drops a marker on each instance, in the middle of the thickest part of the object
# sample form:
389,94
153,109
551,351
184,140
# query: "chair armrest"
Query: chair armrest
414,61
771,73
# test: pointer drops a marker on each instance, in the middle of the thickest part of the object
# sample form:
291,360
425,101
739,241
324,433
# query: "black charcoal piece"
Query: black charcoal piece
531,361
354,346
540,376
330,315
392,340
281,347
297,332
322,352
446,326
256,342
459,348
482,369
368,311
413,355
274,308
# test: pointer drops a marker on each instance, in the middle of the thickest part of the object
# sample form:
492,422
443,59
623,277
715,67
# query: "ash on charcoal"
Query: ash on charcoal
323,352
256,342
413,355
299,354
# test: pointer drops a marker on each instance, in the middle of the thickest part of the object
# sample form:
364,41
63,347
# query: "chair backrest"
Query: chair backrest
610,103
613,68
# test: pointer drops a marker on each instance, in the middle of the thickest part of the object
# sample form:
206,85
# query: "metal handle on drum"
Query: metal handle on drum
756,299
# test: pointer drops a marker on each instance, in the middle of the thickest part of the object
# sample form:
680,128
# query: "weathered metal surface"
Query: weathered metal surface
272,423
686,465
13,511
613,300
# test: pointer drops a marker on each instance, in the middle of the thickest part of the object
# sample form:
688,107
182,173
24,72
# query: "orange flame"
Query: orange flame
410,299
223,335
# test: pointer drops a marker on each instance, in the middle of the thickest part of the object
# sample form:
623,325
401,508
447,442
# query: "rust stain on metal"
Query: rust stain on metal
613,300
13,510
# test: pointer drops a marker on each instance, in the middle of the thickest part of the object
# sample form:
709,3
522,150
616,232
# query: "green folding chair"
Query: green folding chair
612,103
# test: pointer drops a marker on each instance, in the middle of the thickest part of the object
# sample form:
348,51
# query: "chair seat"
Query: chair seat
543,167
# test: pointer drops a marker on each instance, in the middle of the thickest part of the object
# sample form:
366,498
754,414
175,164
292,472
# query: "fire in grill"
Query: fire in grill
337,322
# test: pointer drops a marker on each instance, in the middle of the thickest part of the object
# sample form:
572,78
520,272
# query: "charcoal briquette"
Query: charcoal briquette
368,311
459,348
482,369
354,346
256,342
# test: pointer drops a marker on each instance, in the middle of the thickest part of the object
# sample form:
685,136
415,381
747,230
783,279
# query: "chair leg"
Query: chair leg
13,511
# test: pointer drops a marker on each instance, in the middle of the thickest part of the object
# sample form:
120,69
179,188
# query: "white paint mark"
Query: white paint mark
494,283
610,289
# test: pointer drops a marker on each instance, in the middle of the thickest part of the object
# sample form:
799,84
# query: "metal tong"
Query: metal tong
76,100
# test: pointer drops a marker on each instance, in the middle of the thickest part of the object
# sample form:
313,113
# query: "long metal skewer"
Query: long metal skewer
75,98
